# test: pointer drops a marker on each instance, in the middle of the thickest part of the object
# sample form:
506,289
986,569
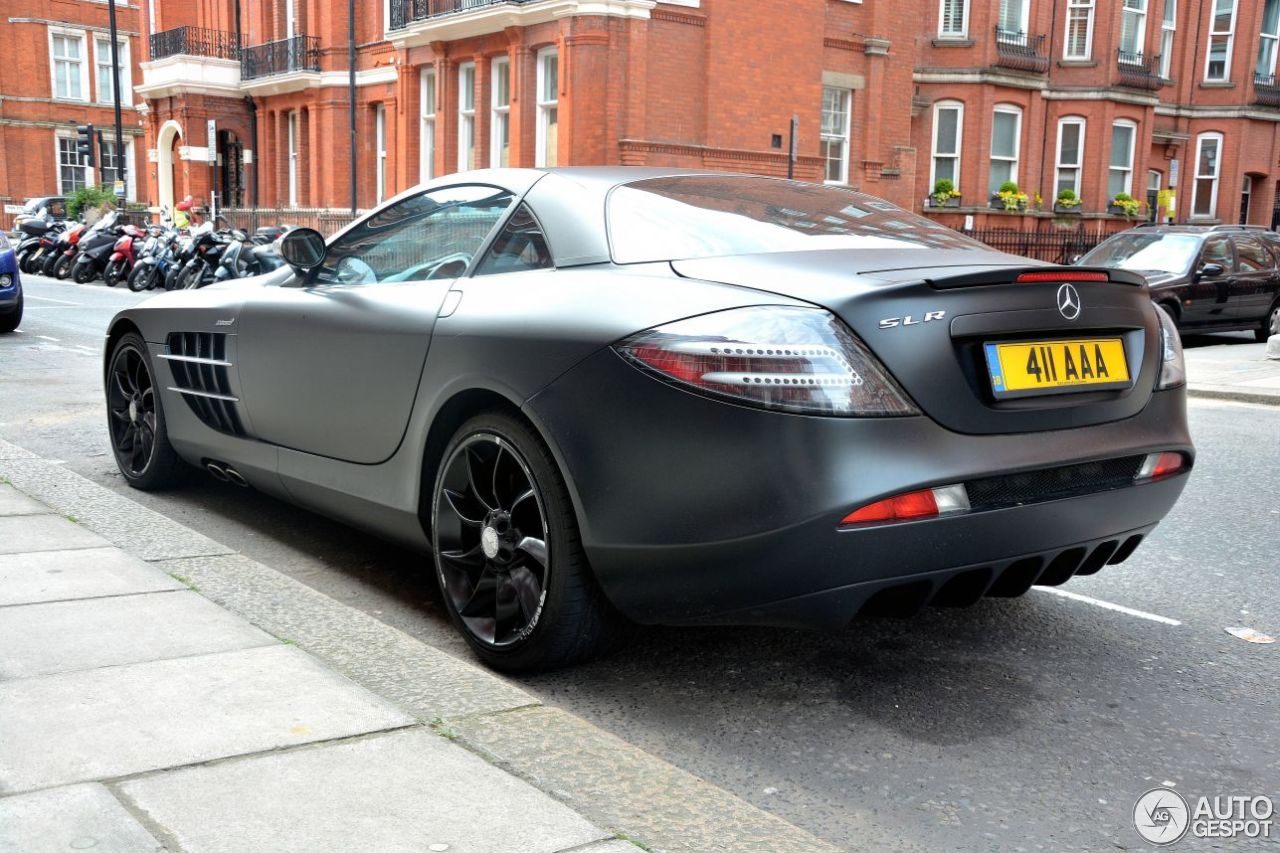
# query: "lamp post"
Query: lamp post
115,91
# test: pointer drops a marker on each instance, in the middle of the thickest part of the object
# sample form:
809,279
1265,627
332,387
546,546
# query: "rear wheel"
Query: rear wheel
83,271
190,276
10,321
138,277
62,266
113,273
508,554
1270,323
135,420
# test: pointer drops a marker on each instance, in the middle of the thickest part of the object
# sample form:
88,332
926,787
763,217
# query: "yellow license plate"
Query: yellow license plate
1029,368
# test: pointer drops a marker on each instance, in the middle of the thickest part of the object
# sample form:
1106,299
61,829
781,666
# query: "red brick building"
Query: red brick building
1098,96
55,75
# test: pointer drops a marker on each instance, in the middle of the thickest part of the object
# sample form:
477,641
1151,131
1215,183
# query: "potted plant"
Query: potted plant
944,194
1009,198
1124,205
1066,202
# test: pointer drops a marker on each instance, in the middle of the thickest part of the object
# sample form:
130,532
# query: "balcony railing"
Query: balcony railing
1139,71
405,12
1266,90
300,53
195,41
1021,51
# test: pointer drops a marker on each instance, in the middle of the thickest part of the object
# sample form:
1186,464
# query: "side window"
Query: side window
432,235
1253,257
520,246
1217,250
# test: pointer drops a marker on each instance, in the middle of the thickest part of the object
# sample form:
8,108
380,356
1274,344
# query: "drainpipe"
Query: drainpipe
253,137
351,88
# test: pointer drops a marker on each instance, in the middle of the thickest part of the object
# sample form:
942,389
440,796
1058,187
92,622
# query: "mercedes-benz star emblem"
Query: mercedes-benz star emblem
1068,302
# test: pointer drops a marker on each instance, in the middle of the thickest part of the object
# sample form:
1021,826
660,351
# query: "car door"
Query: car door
1209,297
1251,296
331,361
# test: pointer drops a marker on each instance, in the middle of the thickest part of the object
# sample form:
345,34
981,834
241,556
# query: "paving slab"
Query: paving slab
14,502
404,791
82,573
77,817
40,639
105,723
22,533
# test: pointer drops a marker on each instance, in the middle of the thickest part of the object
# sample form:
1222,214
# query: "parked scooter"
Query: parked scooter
156,259
96,247
40,234
123,256
58,261
246,258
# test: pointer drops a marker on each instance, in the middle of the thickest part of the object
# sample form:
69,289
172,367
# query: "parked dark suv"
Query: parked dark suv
1210,278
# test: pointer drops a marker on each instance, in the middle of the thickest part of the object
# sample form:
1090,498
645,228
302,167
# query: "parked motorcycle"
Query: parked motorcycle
58,261
123,257
40,235
95,249
157,257
244,258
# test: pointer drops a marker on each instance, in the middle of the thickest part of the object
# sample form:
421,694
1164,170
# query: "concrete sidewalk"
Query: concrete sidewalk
1236,371
172,695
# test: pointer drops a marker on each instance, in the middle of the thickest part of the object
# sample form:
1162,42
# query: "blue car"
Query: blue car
10,287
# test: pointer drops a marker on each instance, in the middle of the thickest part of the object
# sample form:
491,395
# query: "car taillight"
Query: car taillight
801,360
1061,276
924,503
1173,367
1159,465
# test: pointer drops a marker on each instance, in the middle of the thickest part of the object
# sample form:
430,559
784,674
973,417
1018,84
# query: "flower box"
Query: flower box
954,201
1069,209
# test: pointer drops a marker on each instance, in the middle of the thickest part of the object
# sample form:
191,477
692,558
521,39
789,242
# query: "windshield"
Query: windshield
1145,252
702,216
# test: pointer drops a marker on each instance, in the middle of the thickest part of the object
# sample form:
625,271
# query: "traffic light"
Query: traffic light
85,144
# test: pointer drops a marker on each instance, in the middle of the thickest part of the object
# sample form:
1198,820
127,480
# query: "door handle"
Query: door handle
450,304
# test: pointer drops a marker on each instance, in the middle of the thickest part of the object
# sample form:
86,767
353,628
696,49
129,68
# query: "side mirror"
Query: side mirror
1210,270
1075,259
303,249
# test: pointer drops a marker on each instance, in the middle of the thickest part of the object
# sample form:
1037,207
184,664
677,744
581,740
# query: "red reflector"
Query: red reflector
1168,463
1029,277
911,505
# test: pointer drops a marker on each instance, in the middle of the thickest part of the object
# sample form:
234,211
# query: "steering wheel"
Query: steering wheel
450,266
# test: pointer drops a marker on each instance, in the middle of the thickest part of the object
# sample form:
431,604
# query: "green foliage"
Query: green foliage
1067,198
87,198
1009,187
1129,206
943,189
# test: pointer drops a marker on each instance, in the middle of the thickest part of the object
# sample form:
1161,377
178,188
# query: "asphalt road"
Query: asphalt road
1017,724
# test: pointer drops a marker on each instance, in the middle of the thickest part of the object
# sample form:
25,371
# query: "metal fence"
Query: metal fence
1057,247
323,219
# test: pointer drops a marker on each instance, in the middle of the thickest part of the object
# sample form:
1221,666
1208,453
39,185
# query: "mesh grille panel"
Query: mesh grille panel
1051,483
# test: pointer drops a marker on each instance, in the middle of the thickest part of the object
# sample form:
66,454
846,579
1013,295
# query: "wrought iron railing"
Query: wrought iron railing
1266,90
405,12
1138,70
300,53
1021,51
195,41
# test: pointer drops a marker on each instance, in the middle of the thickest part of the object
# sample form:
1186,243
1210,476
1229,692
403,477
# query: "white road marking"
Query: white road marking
49,299
1107,605
47,338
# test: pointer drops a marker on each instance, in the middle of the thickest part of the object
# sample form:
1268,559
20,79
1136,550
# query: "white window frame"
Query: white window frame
466,116
843,138
1168,34
99,174
1074,6
83,62
1133,147
428,97
1020,35
85,171
1263,37
101,46
1231,41
1141,14
500,114
291,134
380,152
544,108
943,32
1059,165
958,106
1015,111
1215,177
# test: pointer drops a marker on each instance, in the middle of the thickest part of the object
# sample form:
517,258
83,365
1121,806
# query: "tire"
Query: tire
83,271
566,619
24,258
190,277
10,321
135,420
62,267
49,264
138,276
1270,324
113,273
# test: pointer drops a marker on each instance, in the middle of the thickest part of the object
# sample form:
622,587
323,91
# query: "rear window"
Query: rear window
703,216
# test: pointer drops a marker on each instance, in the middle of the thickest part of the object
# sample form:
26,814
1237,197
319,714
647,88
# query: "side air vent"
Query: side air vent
202,373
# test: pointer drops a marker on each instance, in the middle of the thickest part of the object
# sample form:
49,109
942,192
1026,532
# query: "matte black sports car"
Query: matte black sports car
611,395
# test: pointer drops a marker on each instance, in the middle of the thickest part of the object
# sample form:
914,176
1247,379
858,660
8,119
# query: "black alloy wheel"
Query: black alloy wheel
135,419
507,553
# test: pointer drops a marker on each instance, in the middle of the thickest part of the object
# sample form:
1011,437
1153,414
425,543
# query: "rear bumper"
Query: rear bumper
694,510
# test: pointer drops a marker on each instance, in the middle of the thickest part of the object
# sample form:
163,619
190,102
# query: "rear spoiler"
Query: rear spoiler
1029,275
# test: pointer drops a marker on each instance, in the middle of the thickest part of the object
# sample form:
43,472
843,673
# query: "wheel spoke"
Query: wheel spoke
483,596
528,590
119,375
120,414
536,548
474,475
455,501
506,609
521,498
466,559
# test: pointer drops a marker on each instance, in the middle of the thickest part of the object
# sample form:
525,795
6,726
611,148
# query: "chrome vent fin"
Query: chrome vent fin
201,372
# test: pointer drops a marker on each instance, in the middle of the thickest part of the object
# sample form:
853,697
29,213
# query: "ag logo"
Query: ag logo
1161,816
